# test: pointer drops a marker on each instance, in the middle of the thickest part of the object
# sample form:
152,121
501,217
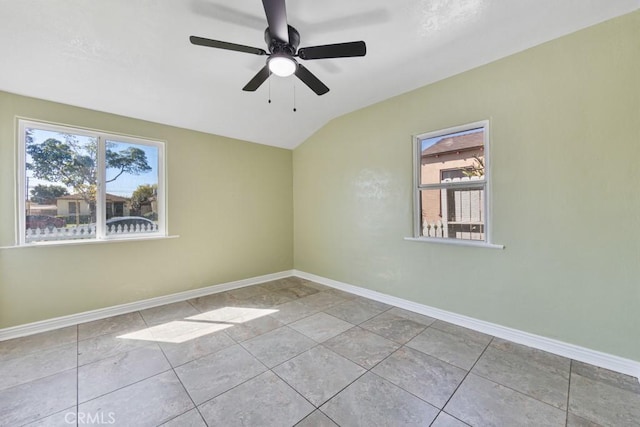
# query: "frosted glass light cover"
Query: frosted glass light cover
282,66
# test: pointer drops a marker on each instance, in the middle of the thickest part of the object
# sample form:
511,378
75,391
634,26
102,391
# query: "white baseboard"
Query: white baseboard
582,354
102,313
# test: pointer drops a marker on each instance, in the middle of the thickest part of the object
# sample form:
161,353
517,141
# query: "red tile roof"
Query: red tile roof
455,144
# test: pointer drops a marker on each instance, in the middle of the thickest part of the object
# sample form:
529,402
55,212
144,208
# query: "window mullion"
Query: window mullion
476,183
101,172
23,191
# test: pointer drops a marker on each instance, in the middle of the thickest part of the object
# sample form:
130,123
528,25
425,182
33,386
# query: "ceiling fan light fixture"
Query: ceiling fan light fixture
282,65
282,43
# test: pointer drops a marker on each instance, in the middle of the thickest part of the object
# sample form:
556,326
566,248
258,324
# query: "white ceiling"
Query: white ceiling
133,57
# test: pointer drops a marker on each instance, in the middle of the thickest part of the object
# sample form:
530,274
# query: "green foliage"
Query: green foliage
131,160
477,169
74,165
143,194
47,194
57,161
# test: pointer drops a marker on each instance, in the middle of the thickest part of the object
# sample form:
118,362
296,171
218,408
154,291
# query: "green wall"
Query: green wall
565,146
229,201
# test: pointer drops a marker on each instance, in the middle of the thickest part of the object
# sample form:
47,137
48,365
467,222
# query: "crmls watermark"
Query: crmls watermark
88,418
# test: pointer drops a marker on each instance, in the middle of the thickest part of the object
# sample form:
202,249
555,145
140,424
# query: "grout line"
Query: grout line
321,310
172,369
370,370
59,411
191,304
401,387
125,386
293,388
249,379
442,411
234,387
326,415
306,416
484,377
315,344
126,352
135,382
518,391
569,391
343,388
468,372
503,385
205,355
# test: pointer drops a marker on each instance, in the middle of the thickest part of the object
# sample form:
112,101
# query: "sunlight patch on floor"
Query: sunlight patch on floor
179,331
232,314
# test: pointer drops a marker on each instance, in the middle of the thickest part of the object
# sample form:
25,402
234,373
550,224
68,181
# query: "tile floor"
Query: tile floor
292,352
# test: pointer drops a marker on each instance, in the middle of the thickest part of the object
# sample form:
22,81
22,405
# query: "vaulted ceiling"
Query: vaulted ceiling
133,57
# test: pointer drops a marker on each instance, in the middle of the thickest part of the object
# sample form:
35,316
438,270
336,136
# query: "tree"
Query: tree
477,169
47,194
131,160
74,165
143,194
58,161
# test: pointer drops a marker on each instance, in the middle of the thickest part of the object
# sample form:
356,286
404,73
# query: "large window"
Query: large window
78,184
451,183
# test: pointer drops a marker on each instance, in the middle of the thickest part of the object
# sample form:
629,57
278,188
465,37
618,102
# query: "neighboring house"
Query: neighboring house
37,209
457,210
77,210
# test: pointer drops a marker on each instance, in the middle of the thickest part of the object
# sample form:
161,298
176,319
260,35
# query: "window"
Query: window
93,185
451,183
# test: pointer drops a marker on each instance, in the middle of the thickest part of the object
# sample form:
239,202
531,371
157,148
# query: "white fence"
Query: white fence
453,230
461,210
85,232
436,229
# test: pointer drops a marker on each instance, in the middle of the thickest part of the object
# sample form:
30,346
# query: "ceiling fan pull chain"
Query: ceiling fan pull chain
269,88
294,97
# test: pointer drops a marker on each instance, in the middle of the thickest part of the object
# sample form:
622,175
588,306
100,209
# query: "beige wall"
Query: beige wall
565,149
230,201
82,207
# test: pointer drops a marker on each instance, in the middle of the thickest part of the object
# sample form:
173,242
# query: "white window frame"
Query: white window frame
102,137
484,184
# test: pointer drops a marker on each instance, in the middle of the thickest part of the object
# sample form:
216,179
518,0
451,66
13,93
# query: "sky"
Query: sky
124,185
127,183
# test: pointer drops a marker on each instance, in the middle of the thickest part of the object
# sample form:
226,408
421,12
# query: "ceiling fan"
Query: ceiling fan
282,42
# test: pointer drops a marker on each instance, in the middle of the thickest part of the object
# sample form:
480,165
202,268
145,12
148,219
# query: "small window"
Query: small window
451,183
96,185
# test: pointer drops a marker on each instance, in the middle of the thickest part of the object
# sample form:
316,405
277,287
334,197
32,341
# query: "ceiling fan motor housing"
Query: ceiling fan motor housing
279,46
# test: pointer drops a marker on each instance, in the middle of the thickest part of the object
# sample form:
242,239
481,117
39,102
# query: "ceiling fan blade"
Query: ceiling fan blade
257,80
310,80
200,41
276,12
338,50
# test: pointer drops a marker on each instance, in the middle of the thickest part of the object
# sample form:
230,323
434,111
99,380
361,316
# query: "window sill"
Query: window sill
455,242
88,242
